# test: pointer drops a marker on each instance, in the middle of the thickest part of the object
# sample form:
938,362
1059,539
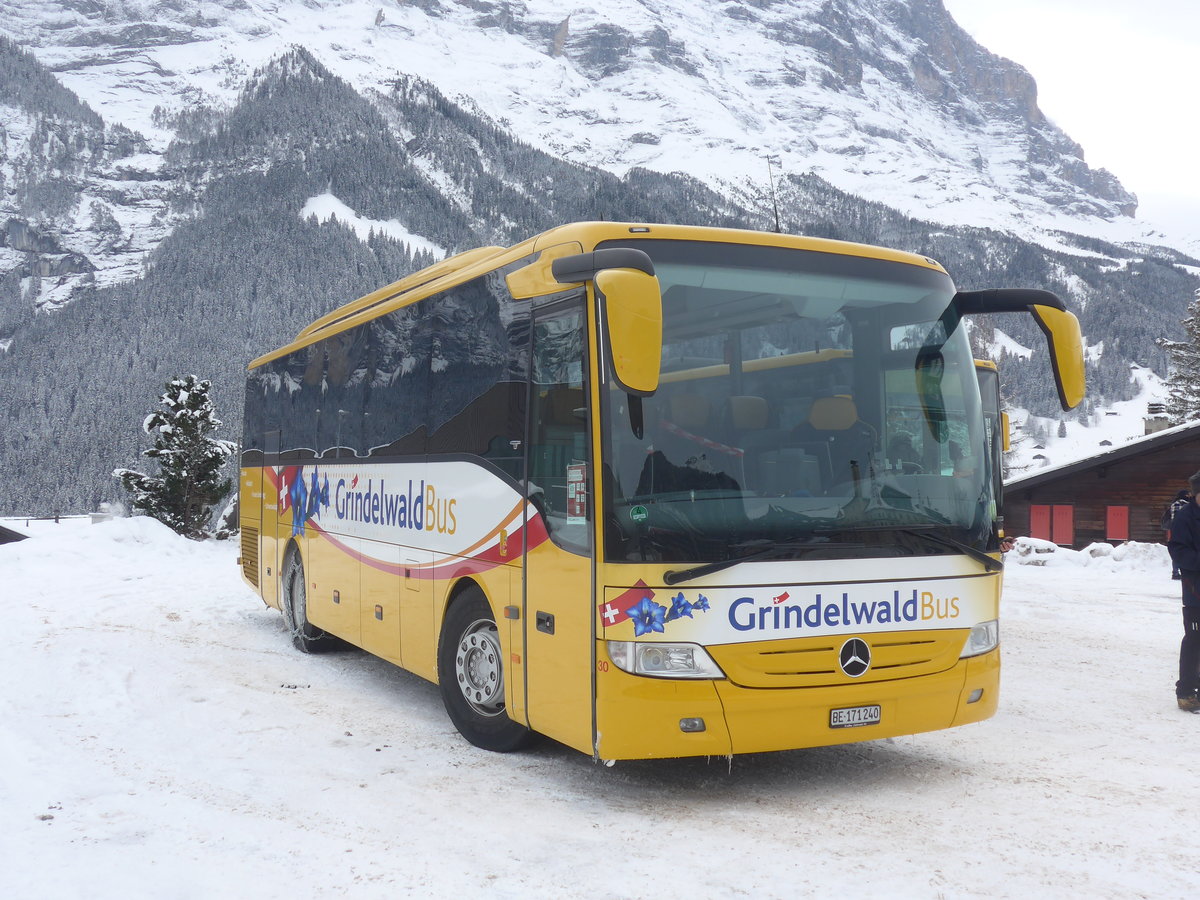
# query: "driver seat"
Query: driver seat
833,423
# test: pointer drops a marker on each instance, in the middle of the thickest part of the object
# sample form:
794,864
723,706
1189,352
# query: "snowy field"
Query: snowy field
160,738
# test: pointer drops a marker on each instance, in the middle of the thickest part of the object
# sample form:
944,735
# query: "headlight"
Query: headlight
983,637
663,660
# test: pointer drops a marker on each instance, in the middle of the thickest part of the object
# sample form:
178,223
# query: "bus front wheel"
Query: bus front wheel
471,676
293,595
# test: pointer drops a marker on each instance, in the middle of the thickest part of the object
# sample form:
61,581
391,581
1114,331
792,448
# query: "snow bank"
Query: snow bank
1129,556
93,546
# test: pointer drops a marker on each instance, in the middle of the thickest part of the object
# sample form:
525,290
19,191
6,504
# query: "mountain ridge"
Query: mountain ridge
206,259
897,84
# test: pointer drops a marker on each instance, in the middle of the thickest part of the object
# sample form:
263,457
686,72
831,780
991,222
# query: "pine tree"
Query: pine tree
1183,384
189,482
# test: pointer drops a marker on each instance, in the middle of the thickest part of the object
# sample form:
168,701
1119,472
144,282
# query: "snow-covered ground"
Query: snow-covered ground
326,206
1112,426
159,737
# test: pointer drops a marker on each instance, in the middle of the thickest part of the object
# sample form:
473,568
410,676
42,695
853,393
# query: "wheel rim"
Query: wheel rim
478,670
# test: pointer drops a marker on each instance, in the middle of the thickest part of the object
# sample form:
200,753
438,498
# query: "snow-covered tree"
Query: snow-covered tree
1183,384
189,483
1036,429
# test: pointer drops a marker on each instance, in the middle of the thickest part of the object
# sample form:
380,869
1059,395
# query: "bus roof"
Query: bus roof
578,237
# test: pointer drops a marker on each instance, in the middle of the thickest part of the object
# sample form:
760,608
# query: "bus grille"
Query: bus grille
813,662
250,554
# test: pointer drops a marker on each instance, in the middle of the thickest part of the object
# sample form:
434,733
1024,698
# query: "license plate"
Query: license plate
854,716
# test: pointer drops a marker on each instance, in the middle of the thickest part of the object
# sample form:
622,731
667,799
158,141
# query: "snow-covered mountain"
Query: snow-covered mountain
872,95
1040,441
887,99
174,166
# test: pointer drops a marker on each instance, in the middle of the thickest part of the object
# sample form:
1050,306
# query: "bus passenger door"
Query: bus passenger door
558,603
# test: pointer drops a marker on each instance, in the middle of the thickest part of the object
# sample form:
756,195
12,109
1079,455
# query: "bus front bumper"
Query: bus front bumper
649,718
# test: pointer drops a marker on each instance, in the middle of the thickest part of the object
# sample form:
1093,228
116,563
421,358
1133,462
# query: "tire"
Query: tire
471,676
293,600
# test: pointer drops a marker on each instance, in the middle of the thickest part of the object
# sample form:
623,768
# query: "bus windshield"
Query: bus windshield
812,405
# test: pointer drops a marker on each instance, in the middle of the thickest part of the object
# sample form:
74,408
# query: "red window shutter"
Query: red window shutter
1117,523
1039,521
1063,524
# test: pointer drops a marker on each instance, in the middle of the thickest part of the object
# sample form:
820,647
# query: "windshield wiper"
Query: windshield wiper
990,563
765,549
675,576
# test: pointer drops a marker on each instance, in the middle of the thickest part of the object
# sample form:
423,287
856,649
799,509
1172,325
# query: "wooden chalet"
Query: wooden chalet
1116,495
8,536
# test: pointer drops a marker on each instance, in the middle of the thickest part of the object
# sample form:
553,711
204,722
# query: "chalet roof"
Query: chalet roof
7,535
1160,440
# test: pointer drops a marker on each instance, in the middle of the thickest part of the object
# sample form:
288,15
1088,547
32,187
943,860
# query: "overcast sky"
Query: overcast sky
1118,76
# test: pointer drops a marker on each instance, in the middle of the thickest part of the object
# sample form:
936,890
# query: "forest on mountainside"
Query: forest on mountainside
243,272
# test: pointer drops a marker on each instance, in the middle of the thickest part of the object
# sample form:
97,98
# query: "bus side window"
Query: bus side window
395,377
340,424
296,386
478,374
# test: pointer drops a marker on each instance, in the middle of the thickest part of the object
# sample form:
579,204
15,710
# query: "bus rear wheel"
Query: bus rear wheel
471,676
293,597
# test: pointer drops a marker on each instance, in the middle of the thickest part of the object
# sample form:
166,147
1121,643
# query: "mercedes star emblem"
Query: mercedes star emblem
855,657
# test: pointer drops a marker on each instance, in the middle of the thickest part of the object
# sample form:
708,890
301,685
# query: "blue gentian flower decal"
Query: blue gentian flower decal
701,604
314,497
647,617
299,498
679,608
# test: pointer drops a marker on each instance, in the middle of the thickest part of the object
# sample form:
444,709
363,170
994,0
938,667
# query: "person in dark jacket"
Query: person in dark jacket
1184,547
1182,499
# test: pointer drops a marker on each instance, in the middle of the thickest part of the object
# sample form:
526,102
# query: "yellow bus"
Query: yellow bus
649,490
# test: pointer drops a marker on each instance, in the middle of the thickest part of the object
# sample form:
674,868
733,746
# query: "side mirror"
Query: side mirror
1066,352
1005,432
631,305
1060,327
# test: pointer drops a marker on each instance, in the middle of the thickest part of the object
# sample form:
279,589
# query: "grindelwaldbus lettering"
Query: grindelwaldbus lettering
452,511
421,510
923,607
